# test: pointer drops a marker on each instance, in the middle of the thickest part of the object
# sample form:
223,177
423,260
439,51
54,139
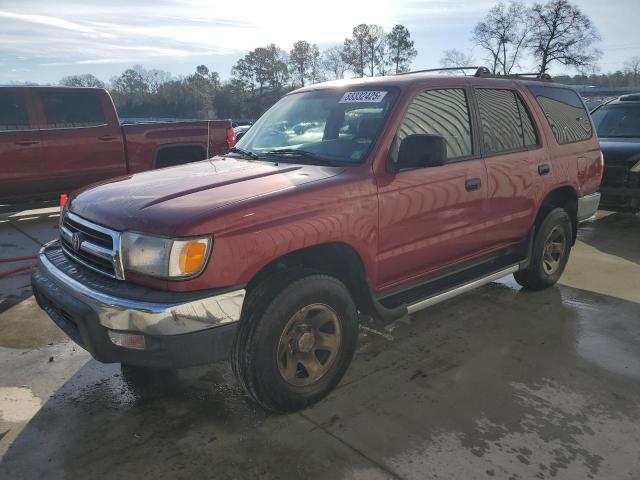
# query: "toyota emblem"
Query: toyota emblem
76,241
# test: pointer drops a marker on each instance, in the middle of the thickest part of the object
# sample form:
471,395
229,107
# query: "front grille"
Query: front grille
94,236
94,246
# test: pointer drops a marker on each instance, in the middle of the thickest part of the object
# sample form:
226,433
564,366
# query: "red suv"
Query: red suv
376,196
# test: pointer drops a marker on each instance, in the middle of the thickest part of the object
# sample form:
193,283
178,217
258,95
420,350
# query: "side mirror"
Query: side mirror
421,150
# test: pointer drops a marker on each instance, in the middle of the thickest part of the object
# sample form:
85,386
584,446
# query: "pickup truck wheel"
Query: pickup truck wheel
295,341
551,248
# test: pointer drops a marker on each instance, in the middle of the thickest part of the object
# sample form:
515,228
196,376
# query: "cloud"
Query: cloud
50,22
92,31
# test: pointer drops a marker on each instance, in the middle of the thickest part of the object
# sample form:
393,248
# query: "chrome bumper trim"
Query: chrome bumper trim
588,206
147,317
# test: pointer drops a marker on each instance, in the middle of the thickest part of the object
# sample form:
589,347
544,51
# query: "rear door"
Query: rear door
515,161
81,139
432,218
21,173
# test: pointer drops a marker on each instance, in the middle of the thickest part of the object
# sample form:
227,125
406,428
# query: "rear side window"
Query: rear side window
440,112
13,111
565,112
72,109
506,123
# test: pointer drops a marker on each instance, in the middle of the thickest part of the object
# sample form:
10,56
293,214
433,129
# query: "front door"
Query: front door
432,218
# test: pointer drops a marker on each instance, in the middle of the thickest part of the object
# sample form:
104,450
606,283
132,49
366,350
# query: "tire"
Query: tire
544,271
285,324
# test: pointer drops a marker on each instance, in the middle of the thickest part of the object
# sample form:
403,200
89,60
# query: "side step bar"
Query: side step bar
446,295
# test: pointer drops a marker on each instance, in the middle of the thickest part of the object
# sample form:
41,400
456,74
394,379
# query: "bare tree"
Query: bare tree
333,63
355,52
376,44
562,34
316,74
400,51
632,70
455,58
300,59
503,35
364,51
86,80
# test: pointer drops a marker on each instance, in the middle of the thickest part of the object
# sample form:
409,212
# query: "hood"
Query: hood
620,151
159,201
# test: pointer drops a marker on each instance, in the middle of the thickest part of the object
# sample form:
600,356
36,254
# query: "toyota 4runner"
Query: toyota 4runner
376,197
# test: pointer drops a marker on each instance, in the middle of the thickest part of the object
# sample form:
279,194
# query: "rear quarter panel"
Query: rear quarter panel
572,164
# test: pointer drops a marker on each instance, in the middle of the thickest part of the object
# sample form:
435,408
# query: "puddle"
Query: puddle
25,325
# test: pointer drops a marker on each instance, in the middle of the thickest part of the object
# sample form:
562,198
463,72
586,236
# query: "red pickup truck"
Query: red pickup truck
376,197
57,139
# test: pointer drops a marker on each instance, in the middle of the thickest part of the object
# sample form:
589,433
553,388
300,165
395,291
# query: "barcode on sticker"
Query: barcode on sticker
363,96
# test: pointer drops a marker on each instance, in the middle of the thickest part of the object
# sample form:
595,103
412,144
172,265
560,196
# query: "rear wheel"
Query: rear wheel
295,340
551,248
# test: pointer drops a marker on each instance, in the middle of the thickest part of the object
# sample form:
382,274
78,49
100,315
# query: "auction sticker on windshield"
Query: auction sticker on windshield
363,96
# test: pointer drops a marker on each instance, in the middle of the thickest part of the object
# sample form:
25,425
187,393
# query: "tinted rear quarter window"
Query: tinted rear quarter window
565,112
72,109
13,111
440,112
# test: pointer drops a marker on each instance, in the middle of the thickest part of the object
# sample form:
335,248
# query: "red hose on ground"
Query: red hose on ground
17,259
11,271
6,273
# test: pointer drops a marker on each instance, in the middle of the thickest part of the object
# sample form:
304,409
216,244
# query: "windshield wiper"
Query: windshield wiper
304,154
245,153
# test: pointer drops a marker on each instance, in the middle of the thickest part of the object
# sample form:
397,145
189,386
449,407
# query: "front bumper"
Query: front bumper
588,206
180,329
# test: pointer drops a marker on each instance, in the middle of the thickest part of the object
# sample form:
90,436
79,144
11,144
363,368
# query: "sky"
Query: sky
44,40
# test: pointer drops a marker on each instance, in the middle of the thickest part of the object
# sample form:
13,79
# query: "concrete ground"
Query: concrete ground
498,383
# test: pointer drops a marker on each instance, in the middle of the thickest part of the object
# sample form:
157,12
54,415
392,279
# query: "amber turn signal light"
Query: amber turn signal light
192,256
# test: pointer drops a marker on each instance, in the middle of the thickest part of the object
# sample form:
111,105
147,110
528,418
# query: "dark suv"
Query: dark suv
376,196
618,126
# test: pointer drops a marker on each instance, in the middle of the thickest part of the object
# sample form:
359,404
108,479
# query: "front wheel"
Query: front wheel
295,341
550,253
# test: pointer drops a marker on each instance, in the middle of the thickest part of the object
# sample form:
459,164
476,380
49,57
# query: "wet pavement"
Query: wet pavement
498,383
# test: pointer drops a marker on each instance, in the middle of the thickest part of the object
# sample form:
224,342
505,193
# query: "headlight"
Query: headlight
636,168
164,257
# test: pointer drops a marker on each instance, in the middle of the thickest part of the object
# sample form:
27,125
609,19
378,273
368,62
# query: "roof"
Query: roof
423,78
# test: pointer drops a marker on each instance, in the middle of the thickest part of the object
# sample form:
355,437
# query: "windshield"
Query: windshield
321,126
617,121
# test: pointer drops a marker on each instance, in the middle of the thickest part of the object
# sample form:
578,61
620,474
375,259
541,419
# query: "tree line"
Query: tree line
553,33
258,79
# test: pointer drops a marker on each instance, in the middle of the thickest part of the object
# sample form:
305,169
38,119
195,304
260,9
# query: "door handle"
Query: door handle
107,138
26,143
472,184
544,169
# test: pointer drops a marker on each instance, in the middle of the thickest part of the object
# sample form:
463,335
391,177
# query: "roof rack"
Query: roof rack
630,97
484,72
444,69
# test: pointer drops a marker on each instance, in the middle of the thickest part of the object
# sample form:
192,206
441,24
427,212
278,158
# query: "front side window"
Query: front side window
322,125
565,112
72,109
440,112
13,111
506,124
621,121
